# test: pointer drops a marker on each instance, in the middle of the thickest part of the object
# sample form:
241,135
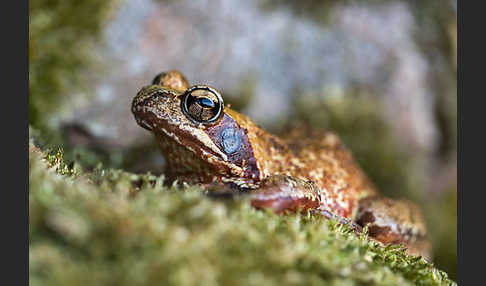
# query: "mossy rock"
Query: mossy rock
113,227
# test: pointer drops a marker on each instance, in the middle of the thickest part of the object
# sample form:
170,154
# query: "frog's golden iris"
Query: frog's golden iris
202,104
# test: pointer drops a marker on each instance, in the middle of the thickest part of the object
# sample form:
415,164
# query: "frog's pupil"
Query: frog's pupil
205,102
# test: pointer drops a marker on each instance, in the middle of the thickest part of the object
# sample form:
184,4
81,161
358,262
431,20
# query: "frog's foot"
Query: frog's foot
358,229
395,221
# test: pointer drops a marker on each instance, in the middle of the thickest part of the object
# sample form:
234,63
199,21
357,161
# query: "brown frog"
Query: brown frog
208,143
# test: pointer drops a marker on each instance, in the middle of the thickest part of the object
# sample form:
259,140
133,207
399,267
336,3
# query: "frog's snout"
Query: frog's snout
147,97
146,102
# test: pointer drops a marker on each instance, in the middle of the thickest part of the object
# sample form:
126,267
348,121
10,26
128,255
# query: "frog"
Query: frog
207,143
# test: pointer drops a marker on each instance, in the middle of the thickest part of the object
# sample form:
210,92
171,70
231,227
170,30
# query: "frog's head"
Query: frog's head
196,133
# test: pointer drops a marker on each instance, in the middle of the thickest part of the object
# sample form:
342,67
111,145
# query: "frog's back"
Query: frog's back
320,156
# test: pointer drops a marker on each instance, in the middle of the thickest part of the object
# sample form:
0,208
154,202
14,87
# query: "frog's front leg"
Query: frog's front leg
395,221
284,193
280,193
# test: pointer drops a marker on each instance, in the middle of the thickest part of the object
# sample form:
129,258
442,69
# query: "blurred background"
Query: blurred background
382,74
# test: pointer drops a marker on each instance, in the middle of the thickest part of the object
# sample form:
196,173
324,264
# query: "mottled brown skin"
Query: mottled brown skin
305,171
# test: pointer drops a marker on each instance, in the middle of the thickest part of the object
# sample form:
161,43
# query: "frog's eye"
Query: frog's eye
202,104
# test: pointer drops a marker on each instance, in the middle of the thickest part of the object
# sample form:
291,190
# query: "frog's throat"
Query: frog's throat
183,162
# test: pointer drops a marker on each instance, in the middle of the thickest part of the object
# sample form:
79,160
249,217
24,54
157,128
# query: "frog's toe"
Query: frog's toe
395,221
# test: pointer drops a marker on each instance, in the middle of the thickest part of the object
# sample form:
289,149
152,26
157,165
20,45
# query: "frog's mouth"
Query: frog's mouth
199,143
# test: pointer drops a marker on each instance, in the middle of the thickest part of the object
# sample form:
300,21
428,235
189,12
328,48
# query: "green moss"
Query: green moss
113,227
62,35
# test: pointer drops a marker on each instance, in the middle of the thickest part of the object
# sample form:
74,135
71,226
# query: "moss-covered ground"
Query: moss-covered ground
110,227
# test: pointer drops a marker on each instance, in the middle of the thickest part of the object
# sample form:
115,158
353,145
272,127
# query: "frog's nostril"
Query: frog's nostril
159,97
